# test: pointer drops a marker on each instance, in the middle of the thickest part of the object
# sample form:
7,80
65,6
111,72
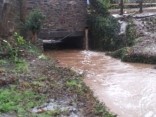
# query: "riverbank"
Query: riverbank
143,49
37,87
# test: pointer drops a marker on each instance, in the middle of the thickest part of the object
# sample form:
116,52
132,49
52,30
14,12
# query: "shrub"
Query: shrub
19,40
103,27
33,23
99,7
12,49
104,32
131,33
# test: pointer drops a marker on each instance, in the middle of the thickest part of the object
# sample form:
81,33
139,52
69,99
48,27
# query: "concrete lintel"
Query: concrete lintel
60,34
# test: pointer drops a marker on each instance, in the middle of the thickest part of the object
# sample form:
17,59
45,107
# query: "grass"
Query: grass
18,66
99,110
21,66
20,102
2,62
75,85
32,49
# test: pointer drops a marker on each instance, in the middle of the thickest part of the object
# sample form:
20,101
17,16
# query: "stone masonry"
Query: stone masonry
60,15
8,8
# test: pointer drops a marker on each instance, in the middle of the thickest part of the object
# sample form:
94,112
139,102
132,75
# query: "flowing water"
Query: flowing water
129,90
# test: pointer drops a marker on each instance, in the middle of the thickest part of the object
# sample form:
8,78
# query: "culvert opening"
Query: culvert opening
67,43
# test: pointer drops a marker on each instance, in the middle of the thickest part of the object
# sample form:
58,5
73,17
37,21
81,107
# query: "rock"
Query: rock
8,115
59,105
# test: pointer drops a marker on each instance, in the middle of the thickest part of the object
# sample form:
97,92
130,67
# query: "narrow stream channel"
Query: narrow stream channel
129,90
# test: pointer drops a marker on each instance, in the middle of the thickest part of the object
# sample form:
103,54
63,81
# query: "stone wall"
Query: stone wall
8,17
61,15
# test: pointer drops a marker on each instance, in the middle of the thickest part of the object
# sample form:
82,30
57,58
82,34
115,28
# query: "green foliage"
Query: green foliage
75,85
21,66
2,61
103,27
12,49
131,34
19,39
120,53
99,7
13,100
104,32
34,21
33,49
101,111
5,47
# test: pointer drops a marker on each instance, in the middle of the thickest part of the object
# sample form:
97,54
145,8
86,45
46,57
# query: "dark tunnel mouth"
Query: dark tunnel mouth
67,43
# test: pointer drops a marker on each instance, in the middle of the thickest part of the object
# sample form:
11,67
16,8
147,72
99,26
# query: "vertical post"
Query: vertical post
121,7
140,6
86,39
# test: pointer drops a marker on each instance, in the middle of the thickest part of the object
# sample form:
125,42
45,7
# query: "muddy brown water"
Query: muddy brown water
128,90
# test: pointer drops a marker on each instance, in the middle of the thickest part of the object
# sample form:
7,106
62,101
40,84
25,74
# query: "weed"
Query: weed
21,66
12,49
2,62
131,34
32,49
76,85
99,109
43,57
19,39
14,100
120,53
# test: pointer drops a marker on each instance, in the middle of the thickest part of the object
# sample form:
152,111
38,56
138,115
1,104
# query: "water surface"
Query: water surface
128,90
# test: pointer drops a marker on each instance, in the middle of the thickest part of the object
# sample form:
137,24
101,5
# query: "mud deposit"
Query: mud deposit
128,90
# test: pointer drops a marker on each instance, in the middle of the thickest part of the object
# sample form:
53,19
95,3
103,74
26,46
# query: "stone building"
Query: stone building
62,17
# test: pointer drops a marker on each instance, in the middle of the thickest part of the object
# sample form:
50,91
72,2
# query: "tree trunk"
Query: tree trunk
121,7
34,37
141,6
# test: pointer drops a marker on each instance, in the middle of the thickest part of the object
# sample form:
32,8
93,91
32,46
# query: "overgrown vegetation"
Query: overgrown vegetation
120,53
33,23
13,53
14,100
131,33
103,27
12,49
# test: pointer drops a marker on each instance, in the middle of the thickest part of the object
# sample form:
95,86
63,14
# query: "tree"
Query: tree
141,6
100,7
103,28
121,7
33,23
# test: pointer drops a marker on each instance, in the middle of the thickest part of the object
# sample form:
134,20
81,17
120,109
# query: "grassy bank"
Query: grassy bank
32,80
